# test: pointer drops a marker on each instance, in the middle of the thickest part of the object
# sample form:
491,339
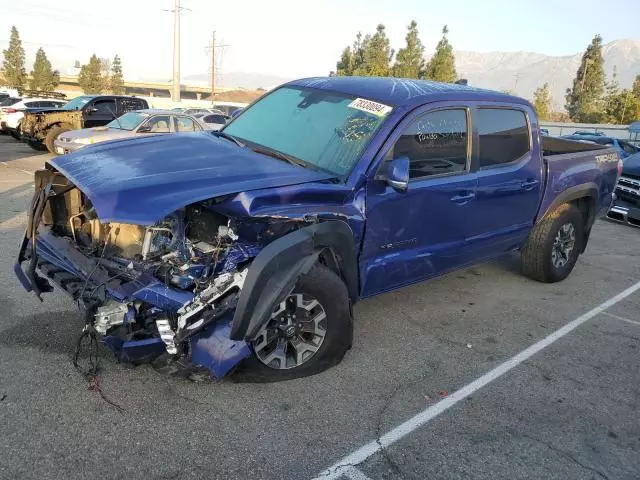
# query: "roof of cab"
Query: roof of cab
403,92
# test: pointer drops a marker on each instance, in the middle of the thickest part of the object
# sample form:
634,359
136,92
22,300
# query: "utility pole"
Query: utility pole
213,47
213,67
175,94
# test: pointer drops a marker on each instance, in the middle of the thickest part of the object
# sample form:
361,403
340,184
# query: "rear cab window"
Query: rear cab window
504,136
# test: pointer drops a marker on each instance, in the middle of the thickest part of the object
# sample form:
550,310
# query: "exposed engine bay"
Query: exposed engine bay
148,289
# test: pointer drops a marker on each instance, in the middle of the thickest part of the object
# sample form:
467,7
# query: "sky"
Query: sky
290,38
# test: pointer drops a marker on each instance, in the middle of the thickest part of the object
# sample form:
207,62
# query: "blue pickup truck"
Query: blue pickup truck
244,250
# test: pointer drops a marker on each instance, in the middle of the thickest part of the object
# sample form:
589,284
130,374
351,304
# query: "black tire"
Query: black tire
536,255
331,292
17,133
53,133
36,145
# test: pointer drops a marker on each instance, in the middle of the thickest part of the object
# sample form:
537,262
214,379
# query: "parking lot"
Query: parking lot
488,374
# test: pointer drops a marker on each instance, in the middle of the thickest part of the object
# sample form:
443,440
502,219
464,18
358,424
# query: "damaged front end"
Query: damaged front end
170,289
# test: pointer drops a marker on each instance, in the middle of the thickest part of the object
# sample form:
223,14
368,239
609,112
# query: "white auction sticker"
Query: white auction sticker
375,108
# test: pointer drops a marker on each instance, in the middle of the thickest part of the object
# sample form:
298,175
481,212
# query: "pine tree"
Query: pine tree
584,99
117,80
13,69
542,101
90,78
410,61
352,57
442,66
376,53
43,77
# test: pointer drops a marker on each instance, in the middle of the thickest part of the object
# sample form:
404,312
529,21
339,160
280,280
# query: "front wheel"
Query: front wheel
308,332
553,246
53,134
17,133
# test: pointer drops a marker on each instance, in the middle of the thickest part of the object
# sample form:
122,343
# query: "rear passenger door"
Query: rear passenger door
509,179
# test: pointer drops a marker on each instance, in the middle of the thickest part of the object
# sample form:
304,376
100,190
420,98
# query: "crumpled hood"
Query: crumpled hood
142,180
631,165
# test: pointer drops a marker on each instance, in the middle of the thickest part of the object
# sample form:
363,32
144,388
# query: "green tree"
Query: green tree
90,78
43,77
117,80
442,66
636,86
352,57
410,59
584,99
13,69
376,55
542,101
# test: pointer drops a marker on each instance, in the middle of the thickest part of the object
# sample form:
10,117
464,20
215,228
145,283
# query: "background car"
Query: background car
212,121
131,124
624,148
11,115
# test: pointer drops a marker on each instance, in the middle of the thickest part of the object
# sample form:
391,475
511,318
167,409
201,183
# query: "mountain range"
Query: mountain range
523,72
520,72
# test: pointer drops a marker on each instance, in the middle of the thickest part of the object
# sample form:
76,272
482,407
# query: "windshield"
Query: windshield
128,121
77,103
325,130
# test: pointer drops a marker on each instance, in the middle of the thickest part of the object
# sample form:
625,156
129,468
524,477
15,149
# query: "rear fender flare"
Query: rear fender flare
276,269
584,192
571,194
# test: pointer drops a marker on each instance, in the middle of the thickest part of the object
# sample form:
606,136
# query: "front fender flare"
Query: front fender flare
276,269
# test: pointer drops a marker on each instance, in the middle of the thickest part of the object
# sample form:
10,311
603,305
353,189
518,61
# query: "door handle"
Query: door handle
463,197
529,184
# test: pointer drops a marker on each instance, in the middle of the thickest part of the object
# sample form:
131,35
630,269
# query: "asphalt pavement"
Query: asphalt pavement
570,410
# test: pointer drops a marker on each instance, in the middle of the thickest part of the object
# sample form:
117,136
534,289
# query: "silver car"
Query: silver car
131,124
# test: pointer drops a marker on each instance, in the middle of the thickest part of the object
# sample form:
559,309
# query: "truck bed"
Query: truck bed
572,166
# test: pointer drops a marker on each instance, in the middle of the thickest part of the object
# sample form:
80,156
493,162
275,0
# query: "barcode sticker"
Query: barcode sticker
369,106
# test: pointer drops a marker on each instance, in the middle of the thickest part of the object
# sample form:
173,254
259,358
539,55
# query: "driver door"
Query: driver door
421,232
99,112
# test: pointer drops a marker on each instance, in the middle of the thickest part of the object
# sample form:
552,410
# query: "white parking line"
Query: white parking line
391,437
28,172
633,322
352,473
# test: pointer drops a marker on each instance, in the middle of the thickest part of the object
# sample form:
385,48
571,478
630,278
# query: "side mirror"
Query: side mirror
397,173
144,129
92,110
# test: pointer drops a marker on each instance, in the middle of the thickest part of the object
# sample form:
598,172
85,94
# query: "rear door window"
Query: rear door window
503,135
184,124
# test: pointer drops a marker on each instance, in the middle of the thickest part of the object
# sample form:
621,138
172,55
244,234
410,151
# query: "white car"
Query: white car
11,115
212,121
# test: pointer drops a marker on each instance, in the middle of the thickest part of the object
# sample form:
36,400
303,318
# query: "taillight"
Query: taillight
620,165
9,110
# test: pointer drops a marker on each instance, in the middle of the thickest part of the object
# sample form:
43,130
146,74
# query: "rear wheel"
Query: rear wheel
53,134
308,332
552,249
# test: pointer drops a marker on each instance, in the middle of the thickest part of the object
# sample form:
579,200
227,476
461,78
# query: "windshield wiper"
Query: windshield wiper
228,137
280,156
